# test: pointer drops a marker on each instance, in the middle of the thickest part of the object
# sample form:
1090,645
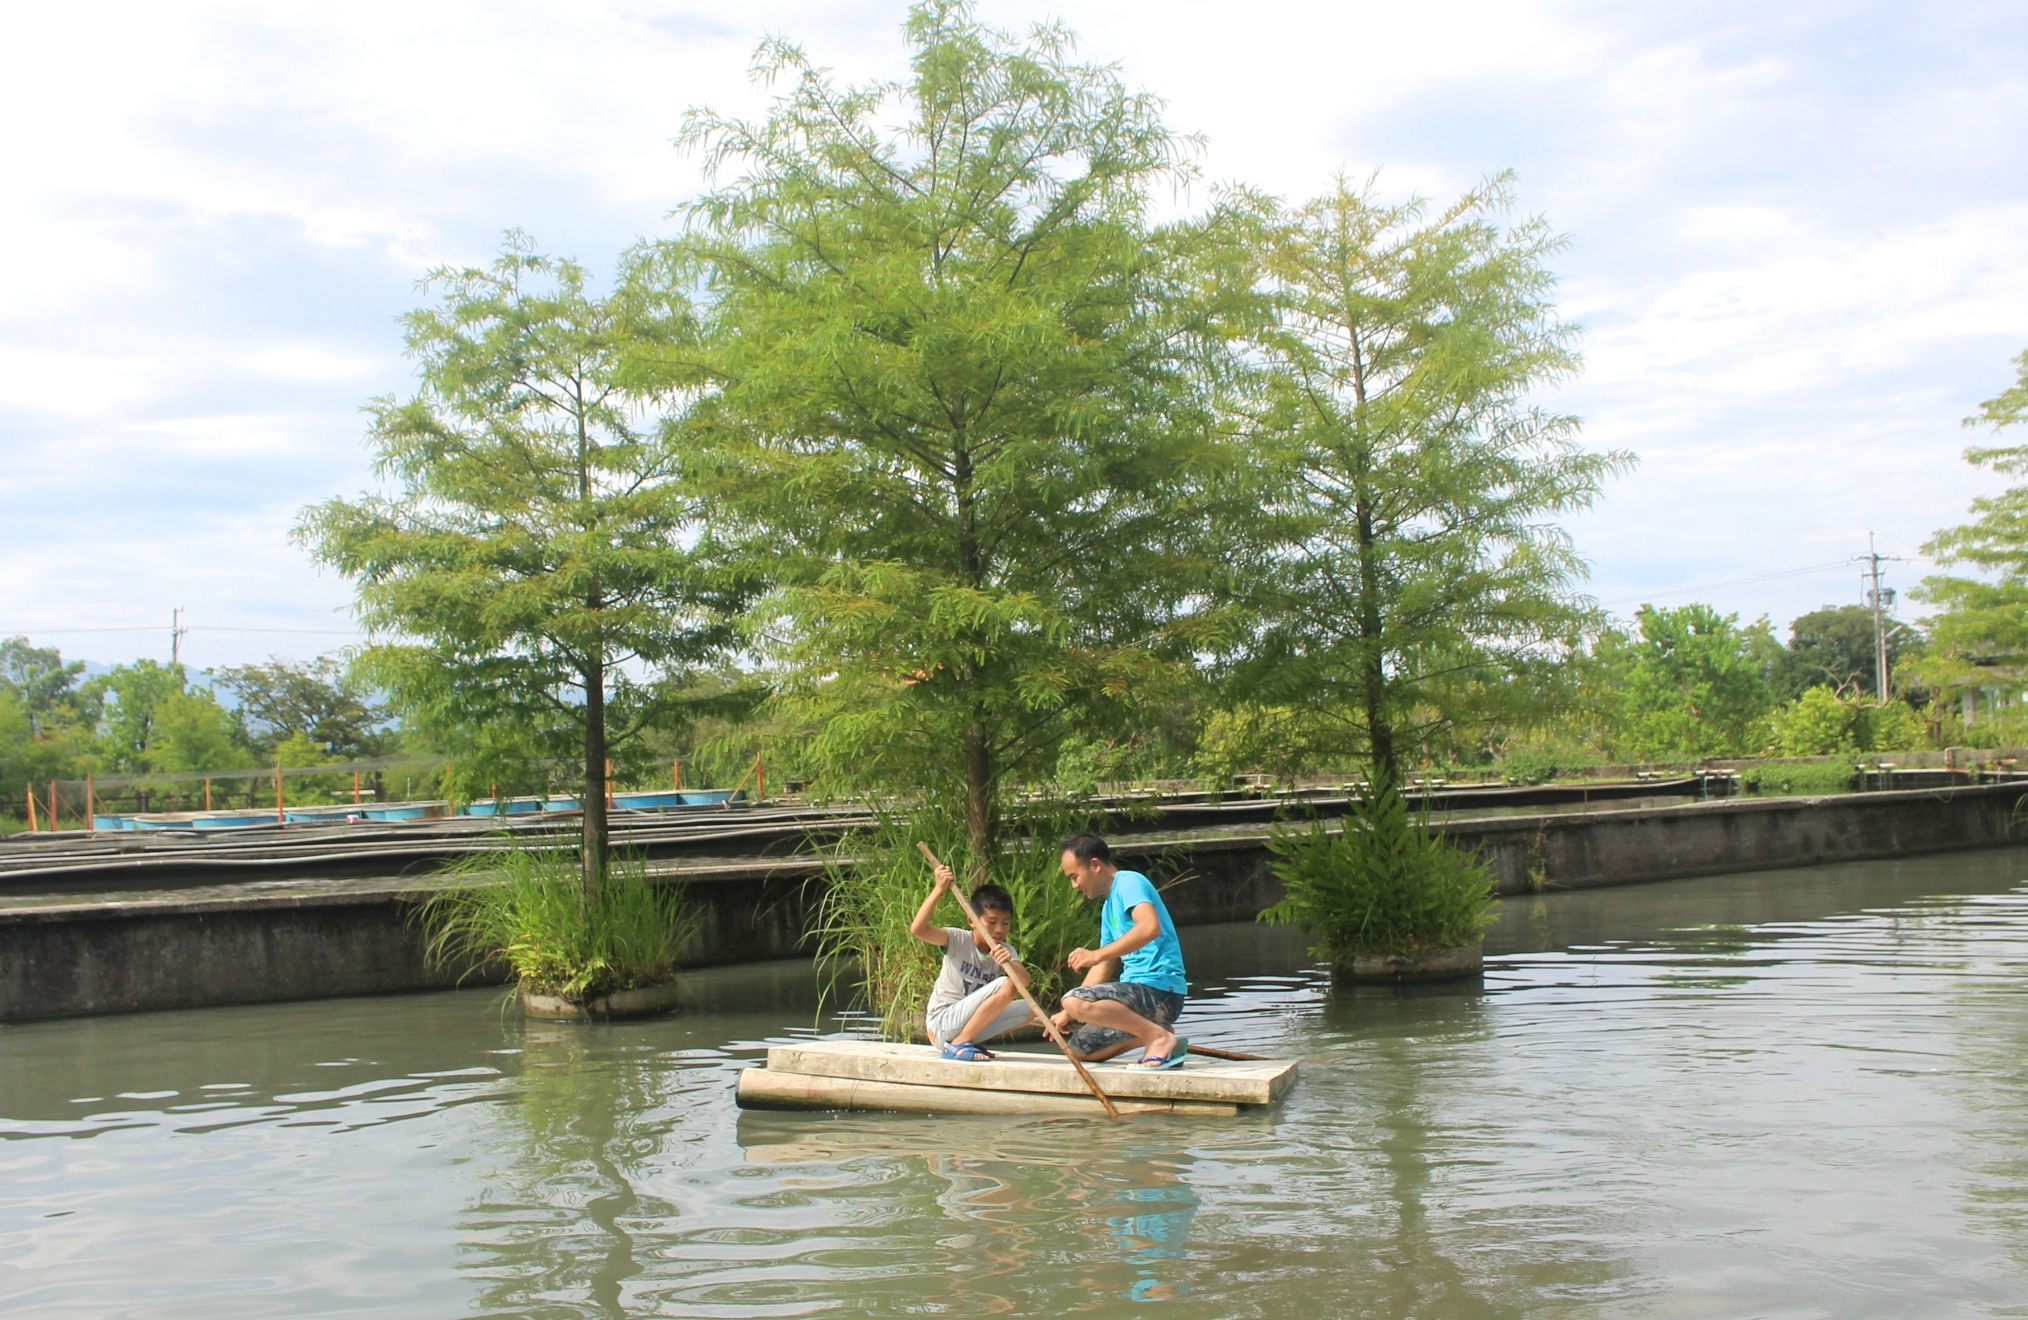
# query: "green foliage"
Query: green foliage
1799,779
38,678
536,550
1980,638
1539,765
1249,738
1818,724
954,403
530,911
1693,683
1402,567
1385,883
151,718
875,880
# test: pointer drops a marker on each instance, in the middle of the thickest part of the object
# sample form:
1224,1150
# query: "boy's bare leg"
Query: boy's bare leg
1112,1014
993,1006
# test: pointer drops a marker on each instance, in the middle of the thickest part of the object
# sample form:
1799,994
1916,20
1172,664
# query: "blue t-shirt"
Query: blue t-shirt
1159,962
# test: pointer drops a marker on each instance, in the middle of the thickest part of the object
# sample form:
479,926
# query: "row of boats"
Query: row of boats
382,812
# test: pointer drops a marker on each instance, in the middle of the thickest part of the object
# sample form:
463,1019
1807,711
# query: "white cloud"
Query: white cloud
1795,236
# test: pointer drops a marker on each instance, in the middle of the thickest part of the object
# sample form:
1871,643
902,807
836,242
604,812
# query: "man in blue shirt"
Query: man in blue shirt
1133,985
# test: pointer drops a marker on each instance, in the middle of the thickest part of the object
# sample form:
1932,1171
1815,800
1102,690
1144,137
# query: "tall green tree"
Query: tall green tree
956,400
1405,570
316,701
1834,645
535,566
1980,636
150,717
1691,682
38,677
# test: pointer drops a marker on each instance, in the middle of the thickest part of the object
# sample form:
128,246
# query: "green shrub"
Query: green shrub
527,909
875,880
1798,779
1386,883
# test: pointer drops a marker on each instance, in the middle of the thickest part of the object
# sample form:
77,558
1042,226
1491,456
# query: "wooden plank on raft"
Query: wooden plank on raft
764,1088
1201,1080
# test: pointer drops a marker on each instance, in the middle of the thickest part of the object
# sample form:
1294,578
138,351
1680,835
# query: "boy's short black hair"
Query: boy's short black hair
992,898
1087,847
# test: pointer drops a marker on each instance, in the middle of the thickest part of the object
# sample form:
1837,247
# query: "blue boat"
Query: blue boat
519,806
402,811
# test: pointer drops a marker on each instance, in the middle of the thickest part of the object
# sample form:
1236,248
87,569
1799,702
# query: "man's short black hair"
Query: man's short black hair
1088,847
992,898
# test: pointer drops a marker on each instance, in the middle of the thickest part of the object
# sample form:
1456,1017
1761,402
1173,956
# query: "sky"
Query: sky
1795,243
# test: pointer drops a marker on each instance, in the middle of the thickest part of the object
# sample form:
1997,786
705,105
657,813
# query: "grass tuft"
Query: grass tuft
875,880
526,908
1386,883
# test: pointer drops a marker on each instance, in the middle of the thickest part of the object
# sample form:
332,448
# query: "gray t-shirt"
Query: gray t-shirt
966,968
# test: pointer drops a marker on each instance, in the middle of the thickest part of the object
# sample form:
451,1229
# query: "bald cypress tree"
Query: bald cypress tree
954,403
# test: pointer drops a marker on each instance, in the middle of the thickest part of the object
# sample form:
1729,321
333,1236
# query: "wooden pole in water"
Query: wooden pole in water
1047,1025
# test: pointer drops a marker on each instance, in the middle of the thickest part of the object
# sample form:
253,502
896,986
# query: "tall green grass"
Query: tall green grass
875,880
1385,883
527,909
1799,778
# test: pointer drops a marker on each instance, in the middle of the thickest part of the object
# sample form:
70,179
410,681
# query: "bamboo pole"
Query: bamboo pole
610,805
207,795
1048,1025
355,789
91,806
55,821
760,778
281,809
29,789
676,775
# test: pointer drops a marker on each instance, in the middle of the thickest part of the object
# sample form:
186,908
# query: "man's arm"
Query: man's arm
1147,926
923,928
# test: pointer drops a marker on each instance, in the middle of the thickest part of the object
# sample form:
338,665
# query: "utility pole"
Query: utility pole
1879,600
176,631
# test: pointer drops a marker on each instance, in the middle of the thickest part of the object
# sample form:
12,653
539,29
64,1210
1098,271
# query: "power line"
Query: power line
1732,582
186,628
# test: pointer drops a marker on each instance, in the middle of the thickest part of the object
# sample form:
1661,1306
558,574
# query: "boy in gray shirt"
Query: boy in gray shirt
975,998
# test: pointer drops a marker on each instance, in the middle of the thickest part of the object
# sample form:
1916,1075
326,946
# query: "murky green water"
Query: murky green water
1787,1094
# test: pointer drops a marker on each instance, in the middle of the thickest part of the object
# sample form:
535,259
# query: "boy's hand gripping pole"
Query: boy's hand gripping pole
1047,1025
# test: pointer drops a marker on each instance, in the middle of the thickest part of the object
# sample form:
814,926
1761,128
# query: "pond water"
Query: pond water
1793,1093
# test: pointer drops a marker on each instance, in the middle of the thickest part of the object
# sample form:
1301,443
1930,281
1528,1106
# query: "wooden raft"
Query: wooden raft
848,1074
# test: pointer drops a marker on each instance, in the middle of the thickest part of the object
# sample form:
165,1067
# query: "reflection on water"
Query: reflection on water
1799,1092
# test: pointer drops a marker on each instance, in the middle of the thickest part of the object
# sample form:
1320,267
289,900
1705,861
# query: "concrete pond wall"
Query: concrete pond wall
317,939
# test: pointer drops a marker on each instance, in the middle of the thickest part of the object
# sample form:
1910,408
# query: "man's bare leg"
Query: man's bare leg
1114,1015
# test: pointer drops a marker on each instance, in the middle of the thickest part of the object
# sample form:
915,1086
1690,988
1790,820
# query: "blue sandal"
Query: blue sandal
1173,1059
966,1052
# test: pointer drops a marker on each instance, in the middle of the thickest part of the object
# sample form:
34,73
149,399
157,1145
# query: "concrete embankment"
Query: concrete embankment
66,955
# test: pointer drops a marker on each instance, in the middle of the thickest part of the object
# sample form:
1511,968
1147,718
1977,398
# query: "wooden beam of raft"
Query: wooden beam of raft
856,1074
764,1088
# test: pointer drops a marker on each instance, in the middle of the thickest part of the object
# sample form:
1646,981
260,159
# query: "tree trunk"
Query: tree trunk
1373,657
980,826
595,827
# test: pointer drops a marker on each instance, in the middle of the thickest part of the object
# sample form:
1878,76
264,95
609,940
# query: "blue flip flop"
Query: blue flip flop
966,1052
1173,1059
